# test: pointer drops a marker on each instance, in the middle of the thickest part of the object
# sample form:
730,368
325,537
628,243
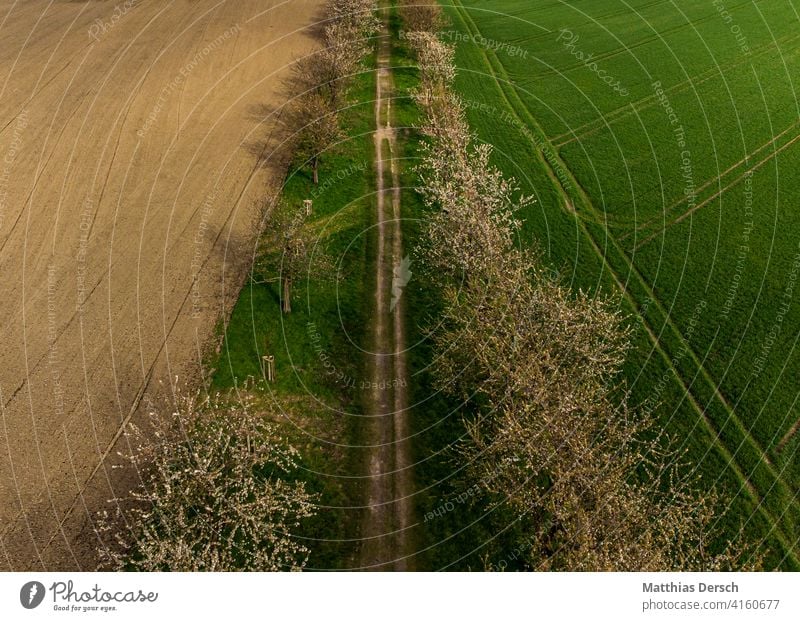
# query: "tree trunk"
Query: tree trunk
286,299
315,169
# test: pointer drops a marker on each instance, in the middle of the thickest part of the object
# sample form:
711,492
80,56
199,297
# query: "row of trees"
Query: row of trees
322,79
551,436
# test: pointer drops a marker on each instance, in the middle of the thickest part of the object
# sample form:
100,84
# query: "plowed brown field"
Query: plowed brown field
130,135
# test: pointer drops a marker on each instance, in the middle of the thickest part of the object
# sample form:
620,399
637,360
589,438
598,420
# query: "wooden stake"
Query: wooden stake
286,301
268,368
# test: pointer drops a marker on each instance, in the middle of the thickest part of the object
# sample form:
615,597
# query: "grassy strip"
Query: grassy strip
317,351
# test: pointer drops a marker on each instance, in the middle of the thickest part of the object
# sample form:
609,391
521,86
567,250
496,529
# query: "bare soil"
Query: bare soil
131,136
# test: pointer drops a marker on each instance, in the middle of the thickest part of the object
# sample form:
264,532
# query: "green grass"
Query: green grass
317,347
622,166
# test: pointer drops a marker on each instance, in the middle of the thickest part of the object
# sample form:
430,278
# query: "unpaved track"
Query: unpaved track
128,167
386,530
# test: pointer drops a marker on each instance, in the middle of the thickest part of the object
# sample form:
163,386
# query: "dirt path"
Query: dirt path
385,532
129,136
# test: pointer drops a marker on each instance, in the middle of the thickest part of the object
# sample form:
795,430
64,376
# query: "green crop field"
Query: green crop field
662,142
